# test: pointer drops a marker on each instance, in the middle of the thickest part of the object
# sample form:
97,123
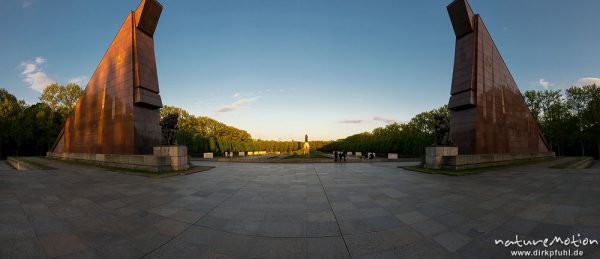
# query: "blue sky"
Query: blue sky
280,69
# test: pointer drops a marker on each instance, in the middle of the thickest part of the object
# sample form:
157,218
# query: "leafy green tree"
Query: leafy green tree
61,98
577,103
591,115
10,109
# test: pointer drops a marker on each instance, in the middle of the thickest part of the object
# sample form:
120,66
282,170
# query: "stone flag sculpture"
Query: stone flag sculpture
118,112
488,113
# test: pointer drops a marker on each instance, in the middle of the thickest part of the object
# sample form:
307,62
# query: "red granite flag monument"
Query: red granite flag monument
116,120
489,118
118,112
489,114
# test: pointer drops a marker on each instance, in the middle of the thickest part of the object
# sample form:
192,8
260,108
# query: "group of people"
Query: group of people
340,155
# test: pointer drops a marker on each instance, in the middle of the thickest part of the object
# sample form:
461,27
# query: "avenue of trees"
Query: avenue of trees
203,134
570,119
32,129
408,139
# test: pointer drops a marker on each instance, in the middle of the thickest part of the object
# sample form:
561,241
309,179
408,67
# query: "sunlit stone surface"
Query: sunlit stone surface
118,112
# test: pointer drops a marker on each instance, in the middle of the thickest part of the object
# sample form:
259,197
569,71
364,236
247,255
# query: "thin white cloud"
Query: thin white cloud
382,119
27,3
588,81
78,80
237,104
352,121
236,95
34,75
543,83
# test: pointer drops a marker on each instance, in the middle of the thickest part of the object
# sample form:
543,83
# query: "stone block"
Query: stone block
137,160
151,160
392,156
163,160
170,151
435,157
241,153
208,155
179,161
358,153
18,164
160,151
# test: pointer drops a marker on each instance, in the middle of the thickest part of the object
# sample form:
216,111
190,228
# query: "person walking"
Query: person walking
335,154
344,155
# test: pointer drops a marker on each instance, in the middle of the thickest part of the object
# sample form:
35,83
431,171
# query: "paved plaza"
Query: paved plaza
323,210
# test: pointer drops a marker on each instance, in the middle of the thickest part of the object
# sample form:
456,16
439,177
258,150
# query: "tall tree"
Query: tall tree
10,108
592,112
577,102
61,98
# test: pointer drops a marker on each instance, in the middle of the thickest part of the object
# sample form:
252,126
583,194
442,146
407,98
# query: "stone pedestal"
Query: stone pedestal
177,154
207,155
306,148
434,156
392,155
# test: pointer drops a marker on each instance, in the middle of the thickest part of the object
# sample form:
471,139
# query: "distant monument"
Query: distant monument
306,148
116,120
488,113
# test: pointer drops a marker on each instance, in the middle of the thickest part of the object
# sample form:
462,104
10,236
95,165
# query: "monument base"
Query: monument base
484,160
177,154
165,158
434,156
306,148
448,158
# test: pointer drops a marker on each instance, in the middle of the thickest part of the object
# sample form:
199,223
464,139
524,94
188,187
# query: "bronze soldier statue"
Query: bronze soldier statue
169,128
442,131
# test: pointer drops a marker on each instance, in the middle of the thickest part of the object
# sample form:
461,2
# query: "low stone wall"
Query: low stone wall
474,161
165,158
585,163
18,164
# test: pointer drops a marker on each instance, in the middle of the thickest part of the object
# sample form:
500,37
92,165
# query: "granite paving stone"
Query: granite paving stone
61,244
452,241
253,210
411,217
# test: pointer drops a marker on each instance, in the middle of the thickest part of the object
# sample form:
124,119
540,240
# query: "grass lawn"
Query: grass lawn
312,155
473,170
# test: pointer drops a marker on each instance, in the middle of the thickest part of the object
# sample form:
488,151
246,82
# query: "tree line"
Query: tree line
32,129
569,119
202,134
408,139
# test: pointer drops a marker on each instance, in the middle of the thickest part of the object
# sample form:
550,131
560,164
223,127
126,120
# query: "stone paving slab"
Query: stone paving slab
236,210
